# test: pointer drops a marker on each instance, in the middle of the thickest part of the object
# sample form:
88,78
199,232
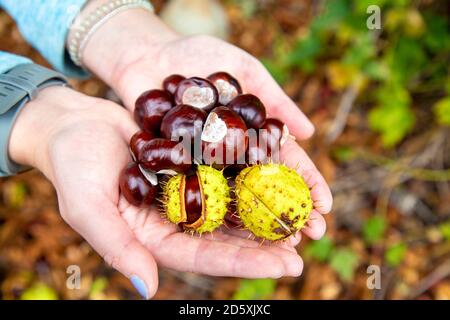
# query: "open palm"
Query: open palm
203,55
86,155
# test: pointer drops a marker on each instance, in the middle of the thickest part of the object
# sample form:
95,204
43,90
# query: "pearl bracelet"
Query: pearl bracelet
87,27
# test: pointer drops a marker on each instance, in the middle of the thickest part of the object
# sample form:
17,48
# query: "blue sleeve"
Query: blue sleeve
9,61
45,24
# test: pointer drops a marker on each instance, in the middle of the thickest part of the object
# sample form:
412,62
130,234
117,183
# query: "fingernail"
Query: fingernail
140,286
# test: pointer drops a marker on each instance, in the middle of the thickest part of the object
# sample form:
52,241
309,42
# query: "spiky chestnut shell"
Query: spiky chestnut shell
215,197
273,201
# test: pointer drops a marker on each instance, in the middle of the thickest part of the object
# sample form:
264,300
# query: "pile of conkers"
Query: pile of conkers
195,134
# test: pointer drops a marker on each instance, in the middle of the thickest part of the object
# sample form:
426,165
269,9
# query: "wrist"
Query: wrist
121,40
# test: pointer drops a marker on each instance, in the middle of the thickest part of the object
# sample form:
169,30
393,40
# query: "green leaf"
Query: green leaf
39,291
278,71
444,228
392,118
362,5
305,52
98,286
344,261
392,123
334,13
437,37
442,111
320,249
343,154
376,70
406,59
361,51
395,254
373,229
255,289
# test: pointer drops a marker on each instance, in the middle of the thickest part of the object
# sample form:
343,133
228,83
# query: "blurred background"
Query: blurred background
380,100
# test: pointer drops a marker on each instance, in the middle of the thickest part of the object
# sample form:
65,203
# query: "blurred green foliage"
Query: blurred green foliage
344,261
39,291
373,229
14,194
394,254
320,249
250,289
442,111
97,288
409,56
444,228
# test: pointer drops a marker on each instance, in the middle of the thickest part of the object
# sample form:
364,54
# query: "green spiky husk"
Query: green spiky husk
171,199
273,200
216,194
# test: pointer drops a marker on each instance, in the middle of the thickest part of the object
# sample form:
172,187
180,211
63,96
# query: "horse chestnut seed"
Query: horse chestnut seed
163,154
277,131
265,143
227,86
197,92
135,187
273,201
150,108
198,203
170,84
224,138
250,108
181,121
138,141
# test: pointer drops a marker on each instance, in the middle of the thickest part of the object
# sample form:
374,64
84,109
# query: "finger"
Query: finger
217,258
102,226
293,240
316,226
295,157
258,81
292,262
288,243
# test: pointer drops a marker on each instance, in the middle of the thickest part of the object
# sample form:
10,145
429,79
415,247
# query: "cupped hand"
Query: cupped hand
133,53
81,146
203,55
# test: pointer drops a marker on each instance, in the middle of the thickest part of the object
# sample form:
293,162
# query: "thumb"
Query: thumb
111,237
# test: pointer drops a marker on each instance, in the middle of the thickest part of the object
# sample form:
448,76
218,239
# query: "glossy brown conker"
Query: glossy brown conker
249,108
170,84
135,187
277,132
193,202
183,121
163,154
265,143
150,108
138,141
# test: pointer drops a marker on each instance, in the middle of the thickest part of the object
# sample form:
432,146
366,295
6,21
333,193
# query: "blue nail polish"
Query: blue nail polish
140,286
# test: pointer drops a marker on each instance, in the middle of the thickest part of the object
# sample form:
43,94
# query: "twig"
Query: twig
345,106
441,272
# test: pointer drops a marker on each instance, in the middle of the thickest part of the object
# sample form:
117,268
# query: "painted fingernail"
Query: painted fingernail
140,286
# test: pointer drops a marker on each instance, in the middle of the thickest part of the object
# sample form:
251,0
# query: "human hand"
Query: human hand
80,144
135,51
